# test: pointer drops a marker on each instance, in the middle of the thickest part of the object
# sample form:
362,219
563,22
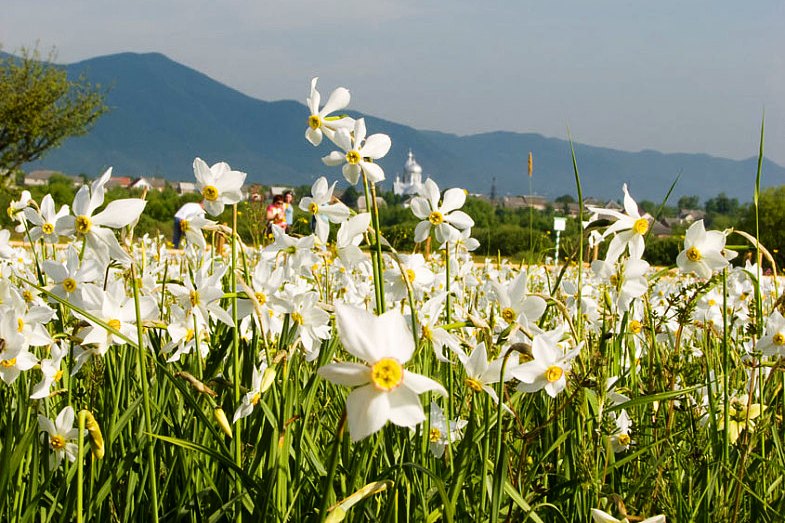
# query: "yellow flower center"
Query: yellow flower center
641,226
693,254
48,228
261,298
474,384
435,435
184,225
314,122
353,157
20,324
69,285
409,275
58,375
624,440
635,327
194,297
426,332
210,193
83,224
114,323
779,339
313,208
297,318
508,314
614,280
436,218
8,363
28,296
255,399
553,373
387,374
57,442
189,335
712,302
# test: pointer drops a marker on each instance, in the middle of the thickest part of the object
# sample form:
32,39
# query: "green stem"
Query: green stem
448,303
238,441
79,470
148,424
332,466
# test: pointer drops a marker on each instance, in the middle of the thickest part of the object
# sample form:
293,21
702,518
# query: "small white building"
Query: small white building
410,182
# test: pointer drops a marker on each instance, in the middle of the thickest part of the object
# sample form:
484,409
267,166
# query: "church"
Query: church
410,182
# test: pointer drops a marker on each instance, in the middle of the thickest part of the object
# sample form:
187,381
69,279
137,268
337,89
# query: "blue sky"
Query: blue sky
677,76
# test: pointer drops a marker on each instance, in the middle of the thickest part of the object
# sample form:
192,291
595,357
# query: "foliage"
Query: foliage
771,204
40,107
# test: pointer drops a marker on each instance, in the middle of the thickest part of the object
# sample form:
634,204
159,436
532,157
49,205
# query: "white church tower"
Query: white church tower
411,181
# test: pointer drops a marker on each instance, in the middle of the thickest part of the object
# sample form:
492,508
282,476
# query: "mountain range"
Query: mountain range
163,114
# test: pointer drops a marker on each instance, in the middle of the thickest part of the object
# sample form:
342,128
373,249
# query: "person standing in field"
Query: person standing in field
288,202
276,214
186,212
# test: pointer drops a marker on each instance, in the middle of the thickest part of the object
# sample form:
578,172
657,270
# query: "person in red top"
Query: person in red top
276,214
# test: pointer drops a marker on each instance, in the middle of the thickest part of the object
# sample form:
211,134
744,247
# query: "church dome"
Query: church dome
411,166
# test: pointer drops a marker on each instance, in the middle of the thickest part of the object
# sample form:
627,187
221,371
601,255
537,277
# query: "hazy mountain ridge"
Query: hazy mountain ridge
164,114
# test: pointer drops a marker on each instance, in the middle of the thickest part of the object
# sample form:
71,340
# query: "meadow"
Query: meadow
326,376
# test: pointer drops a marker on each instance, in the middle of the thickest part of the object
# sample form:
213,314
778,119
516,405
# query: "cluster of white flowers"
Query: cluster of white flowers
508,327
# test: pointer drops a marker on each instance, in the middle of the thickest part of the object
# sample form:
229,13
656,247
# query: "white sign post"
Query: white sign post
559,224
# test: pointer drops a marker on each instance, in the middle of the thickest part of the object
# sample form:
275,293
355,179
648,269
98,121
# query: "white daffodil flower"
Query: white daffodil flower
16,208
445,219
430,313
219,185
60,436
549,367
628,229
186,331
14,354
261,381
620,440
192,230
313,323
44,222
385,390
6,251
704,251
319,122
203,295
630,282
69,277
323,209
358,153
480,373
349,237
50,368
411,270
118,310
441,433
514,303
95,229
772,344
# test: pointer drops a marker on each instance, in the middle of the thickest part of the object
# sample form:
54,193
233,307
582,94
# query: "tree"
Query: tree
689,202
722,204
771,213
40,107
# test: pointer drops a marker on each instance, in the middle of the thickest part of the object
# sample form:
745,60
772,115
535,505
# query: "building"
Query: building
42,177
410,182
157,184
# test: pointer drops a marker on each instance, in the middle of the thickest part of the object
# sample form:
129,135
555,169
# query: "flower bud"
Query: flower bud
96,438
223,422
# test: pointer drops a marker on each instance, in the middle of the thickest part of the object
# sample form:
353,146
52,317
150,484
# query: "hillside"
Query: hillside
163,114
